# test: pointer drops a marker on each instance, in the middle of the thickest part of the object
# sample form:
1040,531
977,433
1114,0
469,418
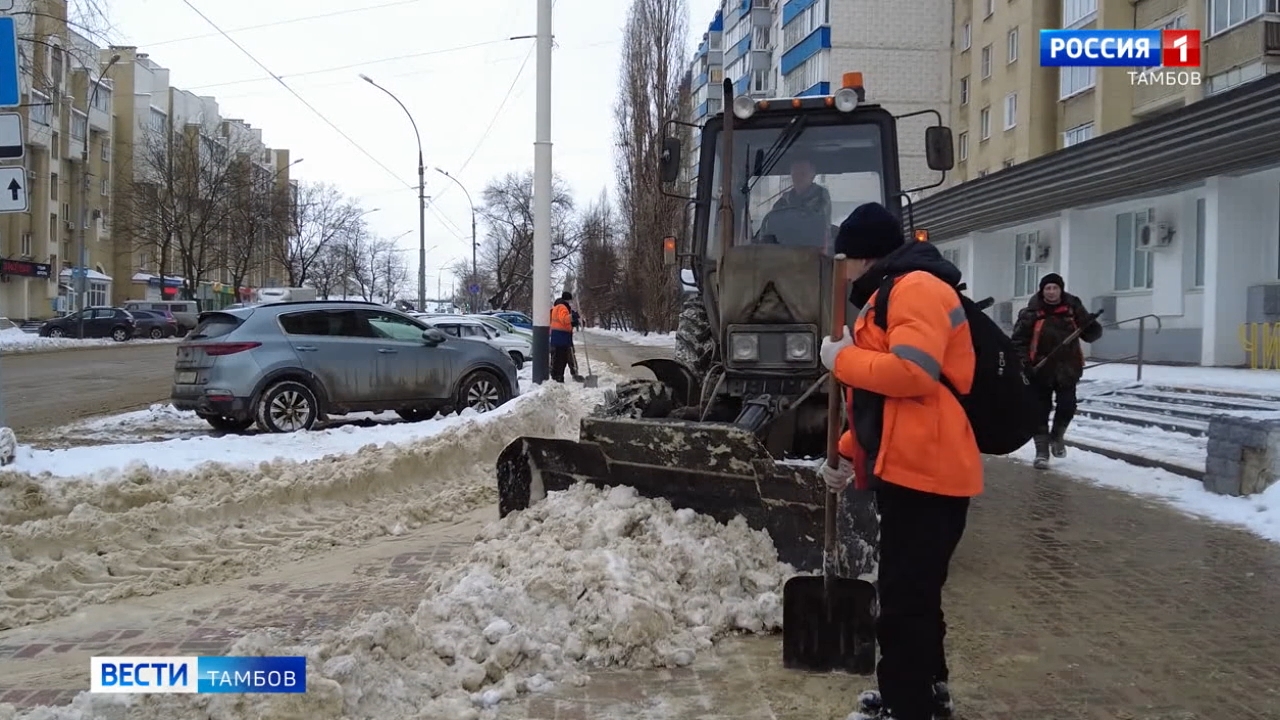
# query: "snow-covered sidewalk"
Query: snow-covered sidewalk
14,341
1229,379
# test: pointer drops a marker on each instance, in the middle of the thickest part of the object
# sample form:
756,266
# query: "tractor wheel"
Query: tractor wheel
695,341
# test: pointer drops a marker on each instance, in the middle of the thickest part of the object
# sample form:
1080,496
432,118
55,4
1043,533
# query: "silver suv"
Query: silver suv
287,366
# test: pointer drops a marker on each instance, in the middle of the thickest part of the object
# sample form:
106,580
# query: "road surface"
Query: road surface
39,391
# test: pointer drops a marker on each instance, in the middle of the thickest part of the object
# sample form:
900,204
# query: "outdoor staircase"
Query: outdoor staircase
1157,426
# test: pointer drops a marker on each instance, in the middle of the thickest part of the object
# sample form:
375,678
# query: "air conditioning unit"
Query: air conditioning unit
70,225
1036,252
1154,236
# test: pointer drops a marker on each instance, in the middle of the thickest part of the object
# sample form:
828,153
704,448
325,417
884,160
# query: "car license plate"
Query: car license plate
186,378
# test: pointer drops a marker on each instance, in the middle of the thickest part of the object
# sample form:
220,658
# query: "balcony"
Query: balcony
761,13
1241,45
760,60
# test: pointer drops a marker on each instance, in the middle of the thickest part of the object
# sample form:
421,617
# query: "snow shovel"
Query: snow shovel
827,621
590,380
1075,335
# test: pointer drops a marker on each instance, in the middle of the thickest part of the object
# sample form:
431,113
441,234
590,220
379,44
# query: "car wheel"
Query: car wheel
518,359
119,334
57,332
416,414
288,406
482,391
156,334
227,424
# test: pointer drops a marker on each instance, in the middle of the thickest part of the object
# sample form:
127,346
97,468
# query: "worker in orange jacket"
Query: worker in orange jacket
910,442
561,337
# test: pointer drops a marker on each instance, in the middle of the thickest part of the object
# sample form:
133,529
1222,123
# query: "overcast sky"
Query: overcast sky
471,125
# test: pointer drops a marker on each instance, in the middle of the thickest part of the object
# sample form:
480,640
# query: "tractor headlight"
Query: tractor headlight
799,347
743,107
744,346
846,99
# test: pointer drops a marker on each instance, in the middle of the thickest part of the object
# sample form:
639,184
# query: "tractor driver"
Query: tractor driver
804,192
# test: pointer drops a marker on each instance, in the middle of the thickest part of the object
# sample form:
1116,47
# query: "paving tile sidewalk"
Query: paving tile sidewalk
1067,602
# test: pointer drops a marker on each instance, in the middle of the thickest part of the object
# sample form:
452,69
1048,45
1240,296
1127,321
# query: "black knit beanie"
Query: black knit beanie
869,233
1052,279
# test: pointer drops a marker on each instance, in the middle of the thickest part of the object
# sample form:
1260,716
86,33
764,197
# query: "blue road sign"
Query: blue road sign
10,90
473,289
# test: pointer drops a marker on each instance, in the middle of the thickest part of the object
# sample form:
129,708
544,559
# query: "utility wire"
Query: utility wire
301,99
350,66
289,21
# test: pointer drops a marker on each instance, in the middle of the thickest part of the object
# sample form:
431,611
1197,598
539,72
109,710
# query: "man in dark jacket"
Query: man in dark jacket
1051,316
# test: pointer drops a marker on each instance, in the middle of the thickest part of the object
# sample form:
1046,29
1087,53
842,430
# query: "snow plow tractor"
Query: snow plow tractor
735,424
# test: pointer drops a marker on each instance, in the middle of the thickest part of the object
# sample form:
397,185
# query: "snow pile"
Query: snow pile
653,339
13,340
141,530
587,578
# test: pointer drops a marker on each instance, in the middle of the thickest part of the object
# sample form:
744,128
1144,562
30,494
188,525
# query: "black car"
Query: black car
99,322
154,324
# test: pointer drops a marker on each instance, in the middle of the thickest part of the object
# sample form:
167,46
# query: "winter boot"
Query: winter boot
1042,452
1056,444
871,707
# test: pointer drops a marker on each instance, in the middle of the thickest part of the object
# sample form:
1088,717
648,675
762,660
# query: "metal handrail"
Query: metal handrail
1142,336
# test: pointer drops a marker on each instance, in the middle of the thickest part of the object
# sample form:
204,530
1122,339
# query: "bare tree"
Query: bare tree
599,271
375,267
506,253
321,215
652,90
259,214
181,199
329,271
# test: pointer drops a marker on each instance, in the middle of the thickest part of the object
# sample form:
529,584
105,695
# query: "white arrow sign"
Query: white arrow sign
13,190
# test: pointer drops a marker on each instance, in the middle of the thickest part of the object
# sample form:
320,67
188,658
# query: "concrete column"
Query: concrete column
991,266
1085,246
1235,212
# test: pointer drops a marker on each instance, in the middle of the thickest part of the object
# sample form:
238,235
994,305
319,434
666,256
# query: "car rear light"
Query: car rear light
220,349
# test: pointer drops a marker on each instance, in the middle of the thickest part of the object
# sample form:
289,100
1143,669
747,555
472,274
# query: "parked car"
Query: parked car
469,328
186,312
154,324
518,319
99,322
504,327
286,366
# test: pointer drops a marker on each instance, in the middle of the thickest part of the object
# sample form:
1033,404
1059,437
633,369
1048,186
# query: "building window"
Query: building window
1133,266
1010,110
1013,45
101,98
984,124
1226,14
26,245
55,146
1026,276
39,110
1177,22
105,187
106,149
1200,228
1077,135
963,143
966,37
53,186
1075,80
98,292
986,62
1235,76
1078,12
964,90
79,124
990,9
809,73
157,120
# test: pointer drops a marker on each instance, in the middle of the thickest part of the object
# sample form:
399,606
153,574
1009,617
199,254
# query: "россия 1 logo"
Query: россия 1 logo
1165,57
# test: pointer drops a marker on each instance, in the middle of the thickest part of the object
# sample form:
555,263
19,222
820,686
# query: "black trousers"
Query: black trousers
919,533
1063,410
559,361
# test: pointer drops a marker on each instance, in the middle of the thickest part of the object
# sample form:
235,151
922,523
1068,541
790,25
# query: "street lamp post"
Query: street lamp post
475,274
422,197
82,281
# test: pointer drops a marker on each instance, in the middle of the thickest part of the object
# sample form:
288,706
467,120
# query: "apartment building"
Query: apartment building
794,48
160,119
1154,201
66,114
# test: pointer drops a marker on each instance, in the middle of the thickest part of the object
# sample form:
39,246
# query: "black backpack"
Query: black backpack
1002,405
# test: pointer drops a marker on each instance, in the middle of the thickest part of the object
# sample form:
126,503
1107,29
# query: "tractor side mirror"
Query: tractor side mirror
670,164
938,151
669,251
